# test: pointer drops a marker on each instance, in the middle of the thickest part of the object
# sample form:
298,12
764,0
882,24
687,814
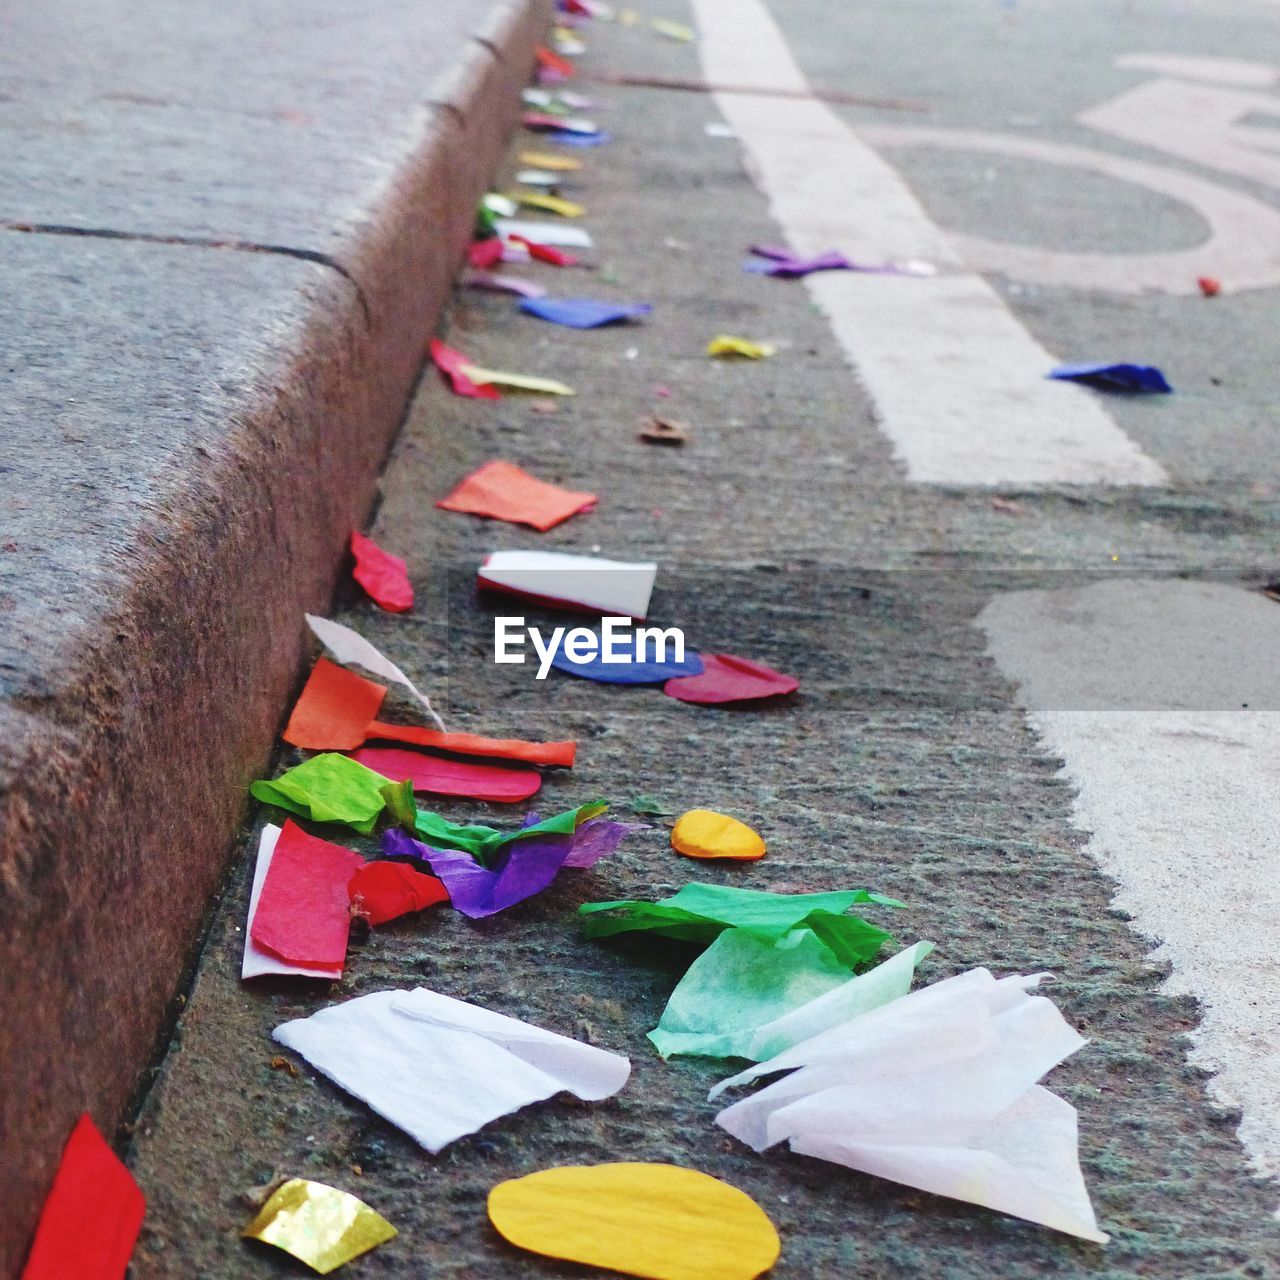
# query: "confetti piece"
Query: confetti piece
485,843
614,588
664,431
567,139
583,313
744,997
349,647
440,1068
558,234
91,1216
498,205
633,660
554,62
454,365
538,178
517,381
473,744
936,1090
383,576
319,1225
673,30
654,1220
524,868
1209,286
546,253
700,912
442,776
560,124
727,345
703,833
549,160
257,961
383,891
502,491
303,911
728,679
333,709
552,204
327,788
502,284
485,253
1113,377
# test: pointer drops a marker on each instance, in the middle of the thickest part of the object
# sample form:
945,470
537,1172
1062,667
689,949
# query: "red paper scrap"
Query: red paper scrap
381,891
503,491
1209,286
384,576
445,777
554,62
303,914
485,253
91,1216
333,710
454,365
546,252
473,744
725,678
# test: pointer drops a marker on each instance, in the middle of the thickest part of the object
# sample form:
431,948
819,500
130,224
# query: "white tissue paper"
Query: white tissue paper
936,1090
440,1068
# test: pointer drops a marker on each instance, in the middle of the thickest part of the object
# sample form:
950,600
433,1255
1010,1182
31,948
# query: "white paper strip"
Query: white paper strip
553,233
351,648
440,1068
612,587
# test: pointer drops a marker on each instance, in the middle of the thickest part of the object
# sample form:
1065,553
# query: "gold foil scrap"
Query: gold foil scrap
319,1225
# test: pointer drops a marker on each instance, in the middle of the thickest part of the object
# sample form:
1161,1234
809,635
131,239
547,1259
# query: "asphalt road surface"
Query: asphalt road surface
1038,698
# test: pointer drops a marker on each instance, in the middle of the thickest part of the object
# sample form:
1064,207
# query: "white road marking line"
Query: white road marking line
1161,699
957,382
1242,250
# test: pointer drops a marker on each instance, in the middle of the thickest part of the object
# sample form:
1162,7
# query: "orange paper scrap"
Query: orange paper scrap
474,744
334,710
502,491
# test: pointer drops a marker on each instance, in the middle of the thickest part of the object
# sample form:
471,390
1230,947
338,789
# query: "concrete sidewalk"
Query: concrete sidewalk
225,234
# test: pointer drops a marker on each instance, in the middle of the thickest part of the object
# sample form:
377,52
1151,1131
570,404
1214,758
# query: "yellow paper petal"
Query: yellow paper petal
554,204
703,833
519,381
547,160
725,344
319,1225
673,30
653,1220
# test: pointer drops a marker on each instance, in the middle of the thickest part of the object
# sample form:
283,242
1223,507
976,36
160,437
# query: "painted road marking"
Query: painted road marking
1242,251
1161,699
957,382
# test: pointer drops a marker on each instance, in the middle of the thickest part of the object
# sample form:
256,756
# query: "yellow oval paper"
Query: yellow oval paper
703,833
653,1220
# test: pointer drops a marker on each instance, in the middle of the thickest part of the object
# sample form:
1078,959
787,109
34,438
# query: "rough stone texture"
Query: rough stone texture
225,235
903,764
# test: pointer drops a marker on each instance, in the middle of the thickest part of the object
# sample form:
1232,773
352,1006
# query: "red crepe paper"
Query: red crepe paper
554,62
333,710
474,744
453,364
725,678
1209,286
381,891
385,577
303,913
445,777
546,252
485,253
503,491
91,1217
